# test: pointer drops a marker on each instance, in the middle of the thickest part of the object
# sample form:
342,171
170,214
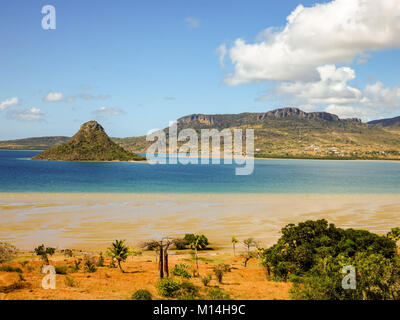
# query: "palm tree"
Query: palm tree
234,241
119,251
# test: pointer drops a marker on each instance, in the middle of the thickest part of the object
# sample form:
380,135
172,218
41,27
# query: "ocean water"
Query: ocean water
19,174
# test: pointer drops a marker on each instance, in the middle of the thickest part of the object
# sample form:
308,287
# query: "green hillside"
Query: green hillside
90,143
292,133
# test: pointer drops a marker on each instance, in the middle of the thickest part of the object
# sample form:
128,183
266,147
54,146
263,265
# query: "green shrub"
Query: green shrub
168,287
90,264
100,263
180,271
61,269
142,294
219,272
10,269
187,291
217,294
206,280
69,282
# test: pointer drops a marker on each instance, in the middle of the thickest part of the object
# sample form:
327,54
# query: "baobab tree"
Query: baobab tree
162,247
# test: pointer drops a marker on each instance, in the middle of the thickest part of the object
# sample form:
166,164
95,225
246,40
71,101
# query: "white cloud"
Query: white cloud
32,114
332,87
221,51
335,32
192,22
58,96
333,93
53,97
8,103
107,111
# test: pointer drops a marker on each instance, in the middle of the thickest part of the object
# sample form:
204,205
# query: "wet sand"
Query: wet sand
92,221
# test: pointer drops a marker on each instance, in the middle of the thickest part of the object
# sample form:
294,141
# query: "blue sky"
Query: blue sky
136,65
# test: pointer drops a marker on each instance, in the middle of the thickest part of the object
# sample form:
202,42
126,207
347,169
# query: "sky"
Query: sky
136,65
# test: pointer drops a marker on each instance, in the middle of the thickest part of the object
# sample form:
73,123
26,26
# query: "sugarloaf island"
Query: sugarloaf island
90,143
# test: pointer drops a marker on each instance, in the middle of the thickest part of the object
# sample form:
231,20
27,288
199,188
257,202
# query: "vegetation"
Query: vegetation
44,253
61,269
313,253
119,251
180,270
394,234
206,280
142,294
90,143
234,242
196,242
217,294
294,134
7,252
219,272
10,269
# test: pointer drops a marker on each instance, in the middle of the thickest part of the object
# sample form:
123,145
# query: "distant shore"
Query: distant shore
92,220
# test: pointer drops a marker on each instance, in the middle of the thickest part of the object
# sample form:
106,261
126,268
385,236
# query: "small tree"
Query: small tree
119,251
196,242
44,253
394,234
7,252
249,254
234,242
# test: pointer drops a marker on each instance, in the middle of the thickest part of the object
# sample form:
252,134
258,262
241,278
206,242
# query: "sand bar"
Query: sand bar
91,221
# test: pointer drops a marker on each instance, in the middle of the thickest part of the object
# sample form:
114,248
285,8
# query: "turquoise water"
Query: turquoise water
19,174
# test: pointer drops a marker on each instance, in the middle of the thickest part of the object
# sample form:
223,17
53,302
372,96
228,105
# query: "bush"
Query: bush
217,294
168,287
206,280
180,271
100,263
69,282
187,291
61,269
7,252
142,294
90,263
219,272
10,269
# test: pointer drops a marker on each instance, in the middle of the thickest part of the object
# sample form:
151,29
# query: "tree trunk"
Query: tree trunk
197,261
160,263
120,267
166,271
234,250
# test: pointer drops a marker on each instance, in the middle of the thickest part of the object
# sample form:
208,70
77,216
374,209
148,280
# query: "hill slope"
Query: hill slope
292,133
90,143
391,122
37,143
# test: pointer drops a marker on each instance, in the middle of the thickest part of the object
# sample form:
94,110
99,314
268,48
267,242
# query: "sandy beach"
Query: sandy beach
91,221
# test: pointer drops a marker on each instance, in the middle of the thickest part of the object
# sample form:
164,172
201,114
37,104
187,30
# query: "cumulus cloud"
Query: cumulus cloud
8,103
334,94
192,22
32,114
335,32
53,96
331,88
107,111
59,97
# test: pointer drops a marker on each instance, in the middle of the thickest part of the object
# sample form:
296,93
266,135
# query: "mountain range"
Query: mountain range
280,133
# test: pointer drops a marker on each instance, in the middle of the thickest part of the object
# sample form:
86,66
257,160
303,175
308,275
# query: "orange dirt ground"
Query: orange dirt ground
141,273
